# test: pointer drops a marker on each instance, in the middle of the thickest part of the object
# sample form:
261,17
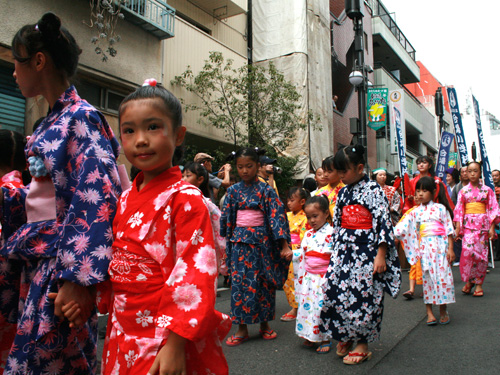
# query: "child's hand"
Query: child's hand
450,255
491,233
71,294
286,253
171,359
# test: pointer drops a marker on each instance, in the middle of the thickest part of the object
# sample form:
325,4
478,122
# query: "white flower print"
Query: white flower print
157,251
180,246
197,237
162,198
103,252
178,272
187,297
193,322
141,277
168,212
205,260
50,146
135,219
60,179
131,357
168,237
102,155
80,129
89,196
144,319
164,321
187,207
190,192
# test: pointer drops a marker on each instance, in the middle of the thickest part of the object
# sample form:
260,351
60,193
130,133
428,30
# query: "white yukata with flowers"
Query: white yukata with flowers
163,273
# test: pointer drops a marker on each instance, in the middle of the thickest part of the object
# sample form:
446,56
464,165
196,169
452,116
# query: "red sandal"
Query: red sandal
268,334
236,340
348,360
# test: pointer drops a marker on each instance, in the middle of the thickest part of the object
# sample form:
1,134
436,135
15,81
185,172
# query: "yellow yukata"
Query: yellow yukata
415,269
331,193
297,223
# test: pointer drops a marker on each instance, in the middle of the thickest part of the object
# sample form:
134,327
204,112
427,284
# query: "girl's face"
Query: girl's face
353,174
381,178
474,172
423,166
27,74
247,168
148,137
449,179
295,203
315,216
192,178
321,178
423,196
332,176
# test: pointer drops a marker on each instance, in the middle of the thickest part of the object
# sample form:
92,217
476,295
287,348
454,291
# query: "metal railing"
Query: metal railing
156,12
380,11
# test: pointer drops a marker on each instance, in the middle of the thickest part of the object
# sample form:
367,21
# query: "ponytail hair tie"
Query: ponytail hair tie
150,82
37,28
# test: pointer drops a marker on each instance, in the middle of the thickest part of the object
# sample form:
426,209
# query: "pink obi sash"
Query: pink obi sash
41,200
317,263
432,228
295,238
356,216
250,218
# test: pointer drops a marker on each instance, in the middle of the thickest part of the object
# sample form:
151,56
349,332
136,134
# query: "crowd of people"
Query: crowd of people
78,237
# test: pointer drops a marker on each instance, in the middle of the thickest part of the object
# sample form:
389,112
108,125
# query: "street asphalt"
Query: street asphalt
470,344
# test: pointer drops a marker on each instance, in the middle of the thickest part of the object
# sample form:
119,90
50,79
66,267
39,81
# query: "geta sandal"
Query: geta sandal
348,359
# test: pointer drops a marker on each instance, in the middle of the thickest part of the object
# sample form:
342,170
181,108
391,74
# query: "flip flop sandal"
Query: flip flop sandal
478,293
447,321
236,340
268,335
364,357
343,348
408,295
432,322
323,346
288,317
467,290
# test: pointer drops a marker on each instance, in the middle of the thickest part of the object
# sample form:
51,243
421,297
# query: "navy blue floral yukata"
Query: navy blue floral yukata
354,297
253,253
74,149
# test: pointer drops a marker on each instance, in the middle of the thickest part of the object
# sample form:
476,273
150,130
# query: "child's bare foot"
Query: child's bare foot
324,347
308,344
289,316
358,355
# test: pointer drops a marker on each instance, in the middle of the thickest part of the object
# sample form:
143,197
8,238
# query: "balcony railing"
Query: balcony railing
154,16
380,11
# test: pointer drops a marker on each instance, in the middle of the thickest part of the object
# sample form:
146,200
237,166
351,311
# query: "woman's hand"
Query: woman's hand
379,265
171,359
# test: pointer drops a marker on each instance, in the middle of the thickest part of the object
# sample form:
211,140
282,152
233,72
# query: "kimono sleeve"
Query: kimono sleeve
382,223
91,185
492,209
447,222
275,215
13,213
459,211
188,297
406,231
227,223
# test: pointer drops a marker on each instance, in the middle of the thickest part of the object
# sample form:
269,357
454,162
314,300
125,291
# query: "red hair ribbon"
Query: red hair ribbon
150,82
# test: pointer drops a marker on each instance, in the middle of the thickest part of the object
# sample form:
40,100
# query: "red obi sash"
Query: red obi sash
356,216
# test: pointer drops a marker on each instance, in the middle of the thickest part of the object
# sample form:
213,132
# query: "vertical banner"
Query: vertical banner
457,122
377,107
396,115
396,101
444,151
488,179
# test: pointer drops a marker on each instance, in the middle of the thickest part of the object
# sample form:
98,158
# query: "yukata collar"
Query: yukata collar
361,182
68,97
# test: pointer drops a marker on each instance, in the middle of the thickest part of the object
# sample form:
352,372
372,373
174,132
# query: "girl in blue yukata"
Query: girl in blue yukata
364,261
257,237
63,220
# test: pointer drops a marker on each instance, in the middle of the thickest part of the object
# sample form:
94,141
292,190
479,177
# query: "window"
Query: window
100,97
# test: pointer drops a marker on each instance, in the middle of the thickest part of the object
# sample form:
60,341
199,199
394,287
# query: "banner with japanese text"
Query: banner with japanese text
396,100
396,118
377,107
444,151
488,179
457,122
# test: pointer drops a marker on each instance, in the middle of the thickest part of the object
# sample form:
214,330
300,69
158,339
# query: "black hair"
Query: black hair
50,37
327,163
301,192
171,107
134,171
348,156
429,160
455,175
12,146
248,152
200,171
323,203
429,184
309,184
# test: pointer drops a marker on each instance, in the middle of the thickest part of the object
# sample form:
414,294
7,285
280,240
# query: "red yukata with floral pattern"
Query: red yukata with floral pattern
163,276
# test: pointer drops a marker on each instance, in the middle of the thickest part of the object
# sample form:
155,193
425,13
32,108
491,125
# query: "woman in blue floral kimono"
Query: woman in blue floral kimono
64,219
254,223
364,262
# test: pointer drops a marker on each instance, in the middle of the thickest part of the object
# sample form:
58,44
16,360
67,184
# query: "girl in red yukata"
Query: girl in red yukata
164,267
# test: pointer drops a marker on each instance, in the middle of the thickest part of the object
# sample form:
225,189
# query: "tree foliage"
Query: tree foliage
251,104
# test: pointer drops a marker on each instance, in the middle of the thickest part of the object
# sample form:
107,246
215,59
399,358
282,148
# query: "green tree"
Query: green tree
254,105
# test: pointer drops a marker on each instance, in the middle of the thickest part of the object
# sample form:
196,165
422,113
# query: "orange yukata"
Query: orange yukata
298,226
415,269
163,274
331,193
